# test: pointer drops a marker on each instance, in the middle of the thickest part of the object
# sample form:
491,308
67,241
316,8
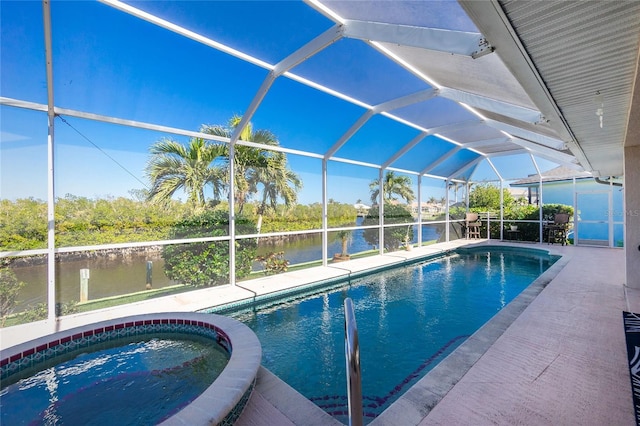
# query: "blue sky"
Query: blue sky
107,62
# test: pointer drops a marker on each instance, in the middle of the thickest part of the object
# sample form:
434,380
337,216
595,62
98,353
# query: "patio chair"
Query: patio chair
472,225
556,231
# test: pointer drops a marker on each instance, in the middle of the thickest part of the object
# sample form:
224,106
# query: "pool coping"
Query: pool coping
221,403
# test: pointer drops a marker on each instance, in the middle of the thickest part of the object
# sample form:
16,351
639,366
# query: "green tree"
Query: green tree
393,186
249,162
9,289
277,181
346,237
487,197
23,224
394,236
207,263
173,166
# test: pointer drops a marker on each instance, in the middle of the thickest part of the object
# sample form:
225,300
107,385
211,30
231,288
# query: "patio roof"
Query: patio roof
427,88
488,79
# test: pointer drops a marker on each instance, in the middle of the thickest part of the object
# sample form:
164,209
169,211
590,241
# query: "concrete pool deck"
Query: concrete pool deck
560,360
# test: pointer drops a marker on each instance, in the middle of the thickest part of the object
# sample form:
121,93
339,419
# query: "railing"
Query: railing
352,353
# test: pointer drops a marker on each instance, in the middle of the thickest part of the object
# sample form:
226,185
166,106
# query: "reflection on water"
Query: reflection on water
123,275
108,277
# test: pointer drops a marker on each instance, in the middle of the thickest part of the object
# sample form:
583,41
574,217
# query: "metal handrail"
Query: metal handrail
352,354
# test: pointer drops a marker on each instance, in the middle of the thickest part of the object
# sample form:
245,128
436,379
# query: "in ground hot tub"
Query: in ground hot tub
170,368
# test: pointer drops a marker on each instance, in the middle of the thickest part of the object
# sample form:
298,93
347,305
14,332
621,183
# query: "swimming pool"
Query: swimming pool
409,319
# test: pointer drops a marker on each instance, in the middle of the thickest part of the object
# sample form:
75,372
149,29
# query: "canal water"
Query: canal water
123,275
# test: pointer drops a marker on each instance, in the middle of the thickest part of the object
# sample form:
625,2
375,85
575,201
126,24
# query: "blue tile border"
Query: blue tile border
315,287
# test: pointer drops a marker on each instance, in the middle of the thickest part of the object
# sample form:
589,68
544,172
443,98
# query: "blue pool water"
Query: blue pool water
408,319
129,383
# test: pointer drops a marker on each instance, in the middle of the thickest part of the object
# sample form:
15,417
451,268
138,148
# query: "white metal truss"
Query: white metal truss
466,167
526,134
440,160
319,43
527,115
454,42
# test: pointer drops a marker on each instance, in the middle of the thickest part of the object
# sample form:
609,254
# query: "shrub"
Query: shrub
39,311
207,263
273,263
9,289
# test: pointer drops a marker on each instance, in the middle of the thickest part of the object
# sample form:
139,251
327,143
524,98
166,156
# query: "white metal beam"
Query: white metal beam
543,150
454,42
454,127
314,46
184,32
465,167
413,142
347,135
404,101
484,142
253,106
527,115
354,162
440,160
495,170
319,43
526,134
518,151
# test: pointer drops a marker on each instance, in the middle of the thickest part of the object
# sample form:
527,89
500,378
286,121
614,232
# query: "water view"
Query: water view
123,275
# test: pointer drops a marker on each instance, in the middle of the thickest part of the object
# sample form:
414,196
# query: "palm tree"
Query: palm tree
246,159
174,166
393,186
277,181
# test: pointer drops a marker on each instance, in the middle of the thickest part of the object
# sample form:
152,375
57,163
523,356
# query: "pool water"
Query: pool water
129,382
408,319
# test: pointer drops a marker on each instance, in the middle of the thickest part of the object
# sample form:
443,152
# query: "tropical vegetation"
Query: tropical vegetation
485,198
82,221
207,263
393,187
394,236
203,164
9,290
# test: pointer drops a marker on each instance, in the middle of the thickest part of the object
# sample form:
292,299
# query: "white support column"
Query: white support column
540,226
575,212
540,207
610,215
325,219
232,214
51,254
419,210
446,214
501,210
381,211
